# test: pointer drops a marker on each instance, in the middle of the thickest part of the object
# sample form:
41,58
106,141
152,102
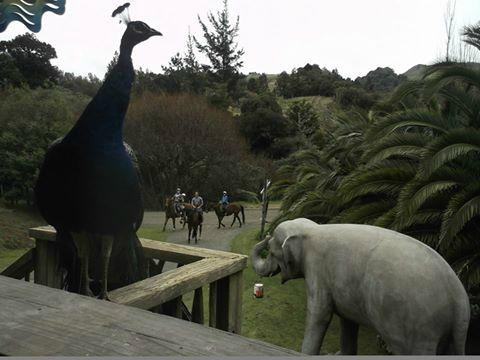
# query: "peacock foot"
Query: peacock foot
104,296
87,292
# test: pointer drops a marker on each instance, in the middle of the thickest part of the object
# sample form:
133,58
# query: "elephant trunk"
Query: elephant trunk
263,267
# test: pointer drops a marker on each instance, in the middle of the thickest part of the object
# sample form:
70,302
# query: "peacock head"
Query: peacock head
137,31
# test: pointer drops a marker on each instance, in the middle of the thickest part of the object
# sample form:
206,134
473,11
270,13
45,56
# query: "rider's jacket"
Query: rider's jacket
197,201
224,199
178,197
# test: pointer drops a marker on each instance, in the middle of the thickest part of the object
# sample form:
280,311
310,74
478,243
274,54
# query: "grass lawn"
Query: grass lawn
152,232
279,317
14,240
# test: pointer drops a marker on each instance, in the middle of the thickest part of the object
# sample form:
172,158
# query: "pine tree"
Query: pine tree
221,47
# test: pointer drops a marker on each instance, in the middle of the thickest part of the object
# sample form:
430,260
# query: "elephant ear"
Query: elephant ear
292,251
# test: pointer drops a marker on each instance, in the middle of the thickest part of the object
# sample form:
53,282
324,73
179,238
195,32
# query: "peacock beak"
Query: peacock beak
154,32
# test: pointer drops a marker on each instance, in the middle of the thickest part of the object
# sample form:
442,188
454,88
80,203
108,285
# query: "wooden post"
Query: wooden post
227,303
212,305
173,307
235,302
264,206
197,307
46,271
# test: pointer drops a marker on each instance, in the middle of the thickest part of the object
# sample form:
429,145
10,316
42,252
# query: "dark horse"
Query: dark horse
170,213
231,209
194,220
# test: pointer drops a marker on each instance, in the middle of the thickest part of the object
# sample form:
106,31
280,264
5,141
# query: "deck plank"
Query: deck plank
39,321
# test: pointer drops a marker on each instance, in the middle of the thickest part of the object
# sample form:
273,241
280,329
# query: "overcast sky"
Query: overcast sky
353,36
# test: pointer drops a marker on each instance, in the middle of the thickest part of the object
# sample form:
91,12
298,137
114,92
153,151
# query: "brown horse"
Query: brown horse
194,220
231,209
170,213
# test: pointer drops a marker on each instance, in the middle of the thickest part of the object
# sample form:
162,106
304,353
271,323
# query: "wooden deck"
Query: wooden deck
36,320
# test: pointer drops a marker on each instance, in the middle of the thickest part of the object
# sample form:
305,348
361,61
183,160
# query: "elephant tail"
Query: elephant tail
460,326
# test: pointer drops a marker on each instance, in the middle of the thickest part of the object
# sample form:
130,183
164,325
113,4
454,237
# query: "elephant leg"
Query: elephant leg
349,337
319,315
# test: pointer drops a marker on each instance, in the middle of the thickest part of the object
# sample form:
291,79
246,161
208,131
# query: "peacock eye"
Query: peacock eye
138,28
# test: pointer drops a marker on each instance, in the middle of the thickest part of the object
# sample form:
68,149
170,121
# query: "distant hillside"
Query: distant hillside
381,80
416,72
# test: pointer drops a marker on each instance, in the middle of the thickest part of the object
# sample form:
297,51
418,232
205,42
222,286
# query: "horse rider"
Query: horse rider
197,203
178,199
224,201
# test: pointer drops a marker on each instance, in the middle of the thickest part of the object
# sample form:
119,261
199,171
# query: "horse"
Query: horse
170,213
194,220
231,209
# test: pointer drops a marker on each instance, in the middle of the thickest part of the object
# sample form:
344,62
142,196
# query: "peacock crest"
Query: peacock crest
28,12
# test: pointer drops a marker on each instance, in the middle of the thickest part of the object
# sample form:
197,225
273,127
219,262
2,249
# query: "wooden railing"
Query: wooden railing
198,267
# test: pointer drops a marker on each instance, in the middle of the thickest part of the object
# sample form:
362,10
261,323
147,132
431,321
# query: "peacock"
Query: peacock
88,187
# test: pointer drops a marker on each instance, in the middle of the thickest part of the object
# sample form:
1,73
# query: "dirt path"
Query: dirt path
212,237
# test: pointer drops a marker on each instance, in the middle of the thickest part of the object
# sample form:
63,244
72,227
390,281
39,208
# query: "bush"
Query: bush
262,123
180,140
29,121
348,97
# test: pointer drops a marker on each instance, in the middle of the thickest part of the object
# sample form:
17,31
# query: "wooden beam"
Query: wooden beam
154,249
22,267
159,289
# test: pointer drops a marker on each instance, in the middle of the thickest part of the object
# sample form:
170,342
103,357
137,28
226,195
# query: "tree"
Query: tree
303,115
263,125
220,45
32,59
29,121
177,139
449,21
472,35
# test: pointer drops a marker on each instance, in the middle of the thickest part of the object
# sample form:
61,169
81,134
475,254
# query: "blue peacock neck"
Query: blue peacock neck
101,124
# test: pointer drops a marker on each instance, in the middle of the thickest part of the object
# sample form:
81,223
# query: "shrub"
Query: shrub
29,121
180,140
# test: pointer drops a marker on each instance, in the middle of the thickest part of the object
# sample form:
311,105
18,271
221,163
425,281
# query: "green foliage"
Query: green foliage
178,139
472,35
258,84
351,97
85,85
380,80
263,125
413,170
220,45
31,58
310,80
29,121
303,115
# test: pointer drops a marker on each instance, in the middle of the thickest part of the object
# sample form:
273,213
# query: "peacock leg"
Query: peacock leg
106,252
82,242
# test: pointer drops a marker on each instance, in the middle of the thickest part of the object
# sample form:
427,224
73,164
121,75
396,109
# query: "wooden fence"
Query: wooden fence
197,267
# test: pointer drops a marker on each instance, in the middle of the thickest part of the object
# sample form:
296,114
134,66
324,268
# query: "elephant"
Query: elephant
373,277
